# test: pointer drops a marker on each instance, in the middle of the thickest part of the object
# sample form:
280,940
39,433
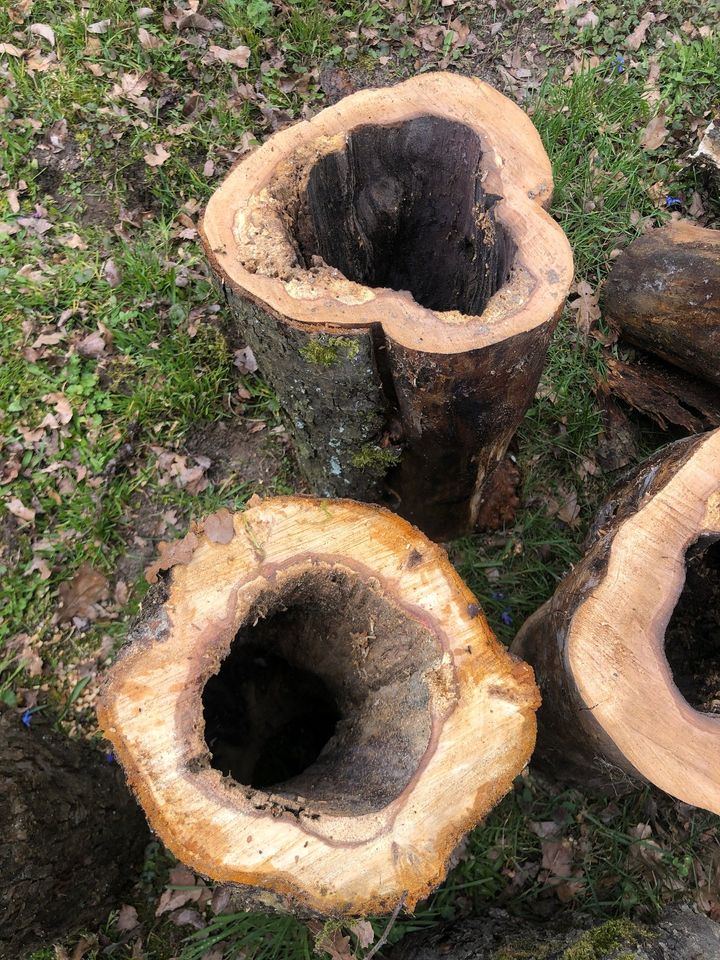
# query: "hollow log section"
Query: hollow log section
663,294
320,612
611,707
392,266
72,836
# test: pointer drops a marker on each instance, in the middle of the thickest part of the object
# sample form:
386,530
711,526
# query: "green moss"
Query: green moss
594,944
372,457
327,351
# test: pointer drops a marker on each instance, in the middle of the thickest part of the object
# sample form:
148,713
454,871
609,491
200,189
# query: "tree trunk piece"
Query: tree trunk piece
680,934
663,294
393,269
315,709
626,652
72,836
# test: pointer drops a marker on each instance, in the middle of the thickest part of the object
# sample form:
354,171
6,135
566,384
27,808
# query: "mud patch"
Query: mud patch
240,456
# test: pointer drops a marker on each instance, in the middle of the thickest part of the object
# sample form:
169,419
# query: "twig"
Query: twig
386,932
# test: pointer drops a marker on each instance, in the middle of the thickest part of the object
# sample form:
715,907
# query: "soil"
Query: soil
238,455
692,639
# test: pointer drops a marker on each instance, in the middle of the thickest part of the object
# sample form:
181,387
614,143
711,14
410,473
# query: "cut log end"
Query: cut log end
324,711
643,701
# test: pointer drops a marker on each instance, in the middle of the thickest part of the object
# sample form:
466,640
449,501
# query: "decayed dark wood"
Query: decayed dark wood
313,708
612,709
663,294
72,836
393,268
664,393
680,934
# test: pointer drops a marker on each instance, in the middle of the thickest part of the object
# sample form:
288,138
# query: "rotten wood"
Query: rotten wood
626,651
72,836
393,267
665,394
663,294
315,709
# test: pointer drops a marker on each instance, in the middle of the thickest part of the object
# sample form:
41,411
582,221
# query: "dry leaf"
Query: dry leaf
655,133
100,26
239,57
587,305
127,918
148,41
557,857
589,19
111,273
364,932
19,510
11,50
245,360
158,158
219,527
44,31
79,595
171,554
92,346
637,37
61,405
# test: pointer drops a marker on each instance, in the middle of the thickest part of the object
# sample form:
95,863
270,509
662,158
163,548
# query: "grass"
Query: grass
167,372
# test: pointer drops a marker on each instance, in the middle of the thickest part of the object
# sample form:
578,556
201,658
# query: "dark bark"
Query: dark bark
663,294
680,934
72,836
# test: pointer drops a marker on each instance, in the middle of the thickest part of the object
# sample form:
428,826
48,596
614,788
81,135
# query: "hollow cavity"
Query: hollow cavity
322,697
403,206
692,638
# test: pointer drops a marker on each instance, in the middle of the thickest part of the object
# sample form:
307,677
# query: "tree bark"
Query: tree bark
680,934
72,836
315,709
626,651
663,294
392,267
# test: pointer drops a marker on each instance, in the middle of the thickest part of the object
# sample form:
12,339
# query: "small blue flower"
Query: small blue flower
672,201
27,718
506,618
110,757
620,63
497,595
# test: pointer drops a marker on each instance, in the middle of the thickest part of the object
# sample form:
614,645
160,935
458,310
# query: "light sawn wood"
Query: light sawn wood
436,718
393,267
612,708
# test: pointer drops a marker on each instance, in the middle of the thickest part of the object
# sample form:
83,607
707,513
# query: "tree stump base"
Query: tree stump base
393,268
314,707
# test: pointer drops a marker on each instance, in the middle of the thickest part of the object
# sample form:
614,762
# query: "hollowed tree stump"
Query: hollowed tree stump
663,294
627,652
392,266
71,836
316,709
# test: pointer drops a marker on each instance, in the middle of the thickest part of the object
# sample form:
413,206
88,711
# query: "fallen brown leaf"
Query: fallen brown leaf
219,527
127,919
239,57
637,37
79,595
655,133
158,158
587,306
172,554
19,510
43,30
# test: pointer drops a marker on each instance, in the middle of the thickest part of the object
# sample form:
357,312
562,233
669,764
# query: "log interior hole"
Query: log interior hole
323,695
403,207
692,638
